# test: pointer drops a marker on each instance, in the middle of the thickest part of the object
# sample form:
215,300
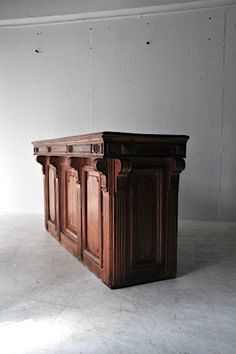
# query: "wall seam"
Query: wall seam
222,117
90,78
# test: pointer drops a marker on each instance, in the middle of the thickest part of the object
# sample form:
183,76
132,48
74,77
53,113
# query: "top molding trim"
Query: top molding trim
114,144
113,14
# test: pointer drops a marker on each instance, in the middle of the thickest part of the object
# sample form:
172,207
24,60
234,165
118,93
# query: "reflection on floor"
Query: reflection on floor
50,303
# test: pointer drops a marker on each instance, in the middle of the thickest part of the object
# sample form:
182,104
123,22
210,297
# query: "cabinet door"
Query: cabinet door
92,235
71,230
71,210
53,201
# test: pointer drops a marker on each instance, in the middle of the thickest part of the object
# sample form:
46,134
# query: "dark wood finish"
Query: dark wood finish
112,200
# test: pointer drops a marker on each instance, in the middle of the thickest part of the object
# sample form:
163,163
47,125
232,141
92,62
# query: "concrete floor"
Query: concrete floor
50,303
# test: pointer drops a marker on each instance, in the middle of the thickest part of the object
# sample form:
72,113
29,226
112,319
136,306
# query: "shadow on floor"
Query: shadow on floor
205,244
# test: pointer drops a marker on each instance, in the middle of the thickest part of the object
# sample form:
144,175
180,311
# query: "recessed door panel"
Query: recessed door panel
72,200
52,201
70,209
93,241
52,194
146,219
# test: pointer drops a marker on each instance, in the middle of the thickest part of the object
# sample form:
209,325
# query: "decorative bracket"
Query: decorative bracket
43,162
124,168
101,165
179,165
53,160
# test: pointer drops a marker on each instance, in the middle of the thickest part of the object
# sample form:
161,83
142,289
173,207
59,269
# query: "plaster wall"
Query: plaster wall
170,73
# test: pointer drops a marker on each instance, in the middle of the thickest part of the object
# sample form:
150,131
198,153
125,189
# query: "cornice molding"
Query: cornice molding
113,14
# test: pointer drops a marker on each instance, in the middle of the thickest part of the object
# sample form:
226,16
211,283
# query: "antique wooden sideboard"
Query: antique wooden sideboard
111,199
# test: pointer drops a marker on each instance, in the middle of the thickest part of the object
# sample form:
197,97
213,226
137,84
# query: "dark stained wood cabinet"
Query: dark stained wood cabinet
111,199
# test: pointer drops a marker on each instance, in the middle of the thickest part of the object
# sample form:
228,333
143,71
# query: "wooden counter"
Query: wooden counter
112,198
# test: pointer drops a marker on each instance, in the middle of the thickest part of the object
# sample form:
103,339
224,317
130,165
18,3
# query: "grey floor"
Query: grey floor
50,303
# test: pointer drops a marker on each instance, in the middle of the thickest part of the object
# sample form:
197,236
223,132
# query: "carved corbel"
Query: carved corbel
53,160
177,166
42,160
66,161
101,165
75,165
124,167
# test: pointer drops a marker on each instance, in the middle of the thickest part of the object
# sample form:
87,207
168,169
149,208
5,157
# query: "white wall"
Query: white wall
102,75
